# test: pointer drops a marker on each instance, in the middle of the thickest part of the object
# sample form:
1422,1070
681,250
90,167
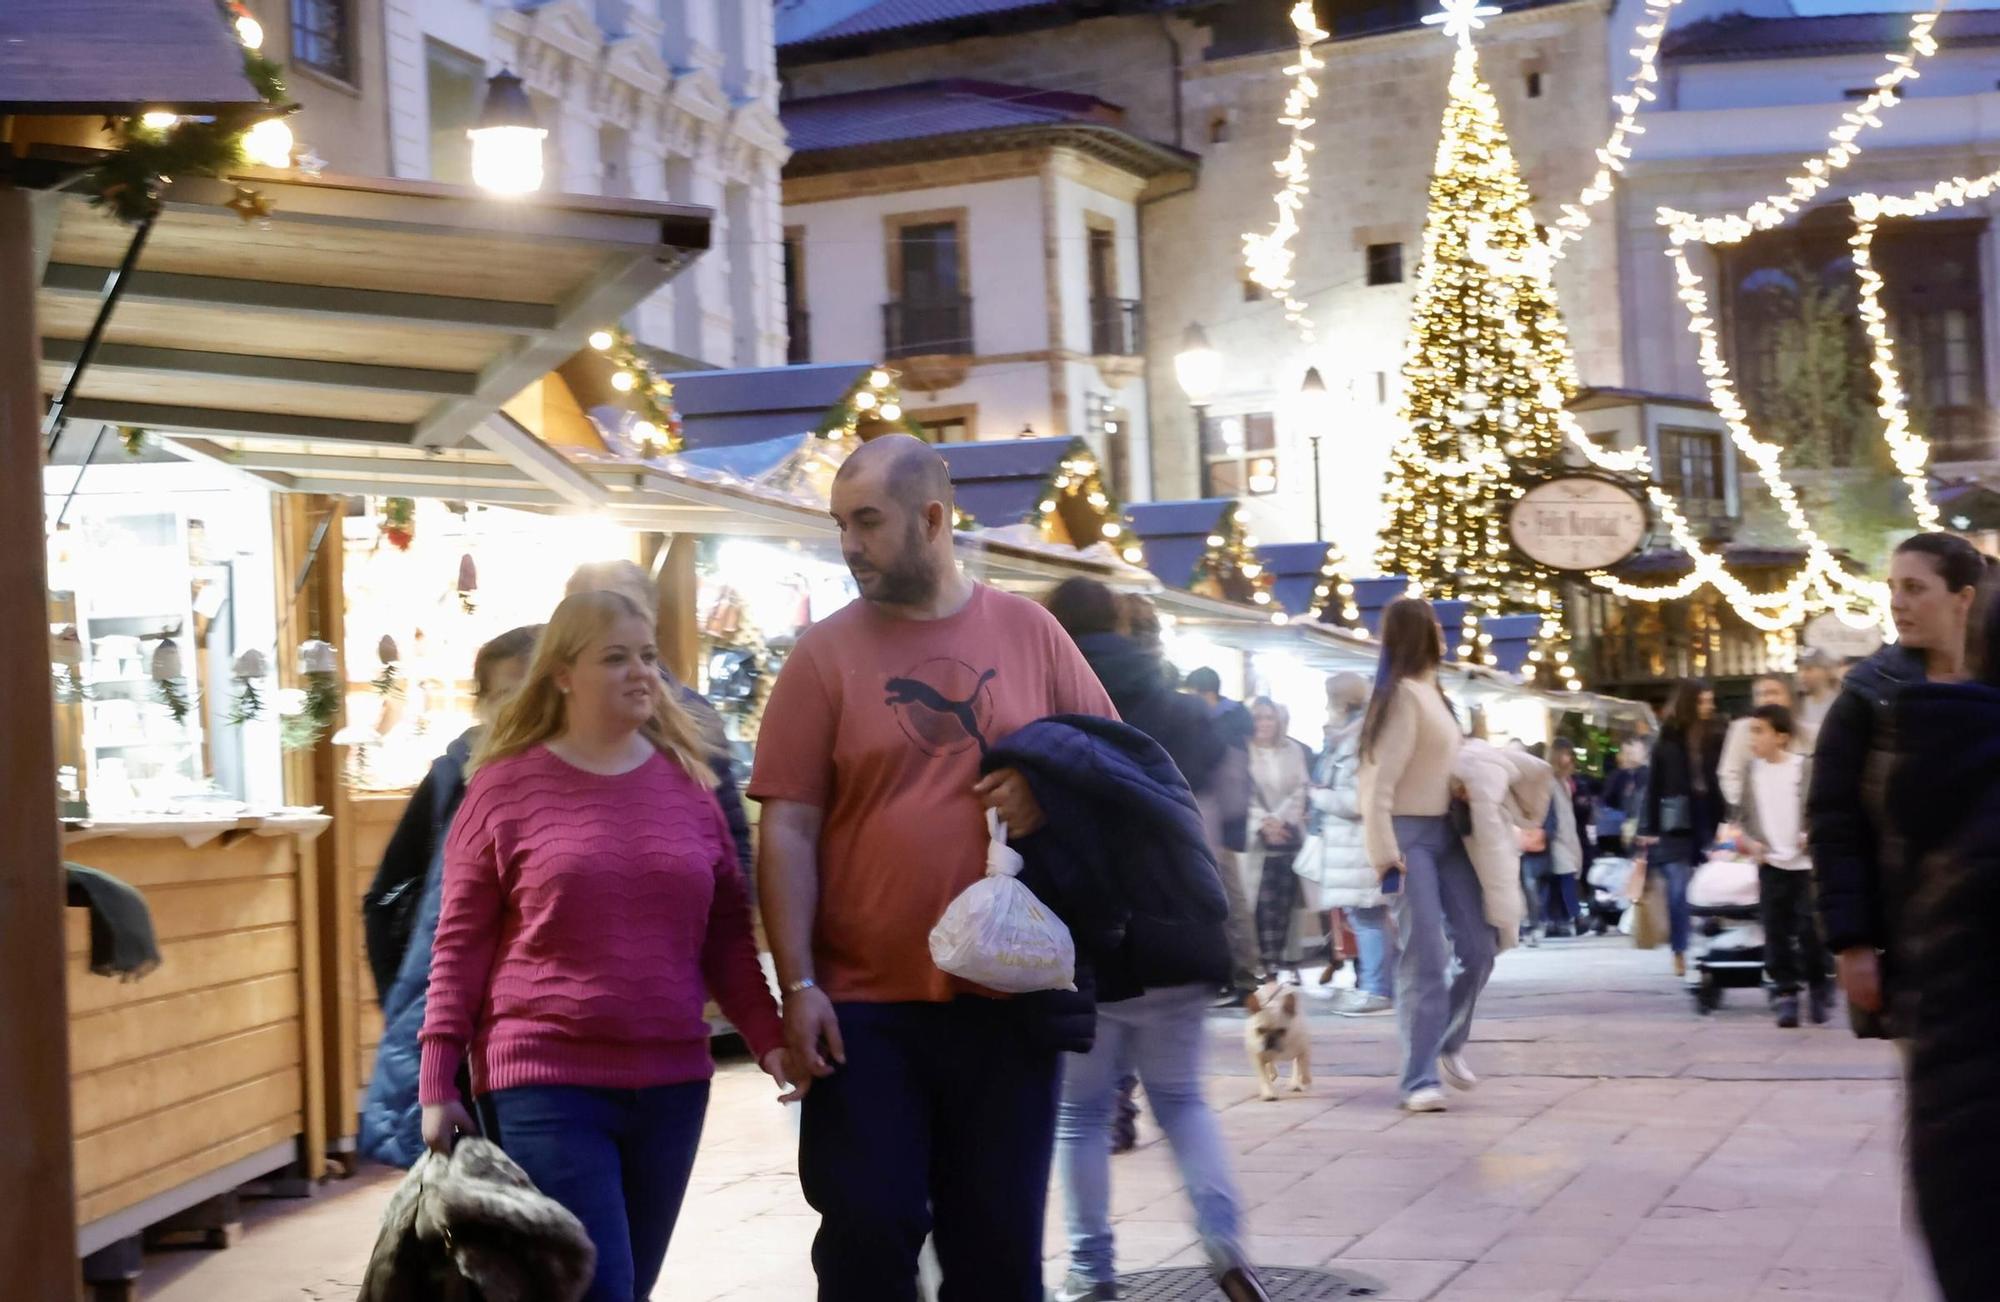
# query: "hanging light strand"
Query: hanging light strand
1268,255
1569,227
1816,174
1910,450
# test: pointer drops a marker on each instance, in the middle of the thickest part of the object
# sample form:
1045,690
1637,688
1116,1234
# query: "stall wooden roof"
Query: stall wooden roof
366,312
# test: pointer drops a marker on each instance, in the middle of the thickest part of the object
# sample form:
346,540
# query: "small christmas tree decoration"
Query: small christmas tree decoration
399,522
168,687
250,668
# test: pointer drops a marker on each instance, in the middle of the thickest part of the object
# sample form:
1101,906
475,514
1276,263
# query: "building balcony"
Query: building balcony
927,327
798,336
1117,327
1962,434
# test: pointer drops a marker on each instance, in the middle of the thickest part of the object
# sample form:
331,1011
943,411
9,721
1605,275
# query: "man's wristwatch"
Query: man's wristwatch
800,986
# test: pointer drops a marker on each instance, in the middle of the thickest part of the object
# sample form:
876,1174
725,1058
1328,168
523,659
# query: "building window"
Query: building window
614,160
953,429
1218,129
454,82
1252,291
928,312
1240,455
1534,80
1385,264
1857,93
323,37
1114,321
1693,469
798,321
1791,316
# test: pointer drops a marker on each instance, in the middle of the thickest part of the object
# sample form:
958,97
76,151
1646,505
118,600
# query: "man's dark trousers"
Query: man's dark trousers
941,1123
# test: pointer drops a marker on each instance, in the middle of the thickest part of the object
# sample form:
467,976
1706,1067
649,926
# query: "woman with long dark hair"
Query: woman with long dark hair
1942,804
1675,819
1409,740
1934,579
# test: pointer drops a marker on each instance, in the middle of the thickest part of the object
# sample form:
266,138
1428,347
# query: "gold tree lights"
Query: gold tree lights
1479,423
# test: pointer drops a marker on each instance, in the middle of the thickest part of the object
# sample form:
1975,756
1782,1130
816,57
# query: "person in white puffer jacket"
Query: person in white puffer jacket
1346,880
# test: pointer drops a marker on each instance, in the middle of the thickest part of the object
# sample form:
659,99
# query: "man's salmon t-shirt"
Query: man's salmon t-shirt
880,723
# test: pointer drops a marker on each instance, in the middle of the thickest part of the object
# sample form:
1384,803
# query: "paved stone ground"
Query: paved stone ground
1622,1149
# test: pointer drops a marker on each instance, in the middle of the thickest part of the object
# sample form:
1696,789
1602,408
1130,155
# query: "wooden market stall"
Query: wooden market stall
357,319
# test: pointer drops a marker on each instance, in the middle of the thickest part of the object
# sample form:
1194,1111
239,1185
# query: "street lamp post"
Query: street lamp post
1198,367
1315,404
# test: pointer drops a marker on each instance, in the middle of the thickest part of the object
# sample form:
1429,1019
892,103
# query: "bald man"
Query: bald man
930,1106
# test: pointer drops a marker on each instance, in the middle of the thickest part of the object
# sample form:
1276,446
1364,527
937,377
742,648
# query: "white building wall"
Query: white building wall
653,70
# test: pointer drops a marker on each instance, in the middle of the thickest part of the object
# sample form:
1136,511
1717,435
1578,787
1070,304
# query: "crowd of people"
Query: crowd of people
574,881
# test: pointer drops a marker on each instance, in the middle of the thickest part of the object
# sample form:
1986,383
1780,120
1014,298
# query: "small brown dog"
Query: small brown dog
1276,1034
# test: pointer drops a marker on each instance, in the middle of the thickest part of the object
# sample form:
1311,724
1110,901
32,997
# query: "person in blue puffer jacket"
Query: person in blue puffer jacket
400,911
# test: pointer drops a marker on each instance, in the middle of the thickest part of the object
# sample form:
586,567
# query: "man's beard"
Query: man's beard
905,581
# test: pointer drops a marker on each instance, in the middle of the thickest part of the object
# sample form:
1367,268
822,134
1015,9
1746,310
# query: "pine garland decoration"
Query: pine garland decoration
127,183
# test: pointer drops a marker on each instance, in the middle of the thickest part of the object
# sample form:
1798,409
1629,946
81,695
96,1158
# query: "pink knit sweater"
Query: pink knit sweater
583,918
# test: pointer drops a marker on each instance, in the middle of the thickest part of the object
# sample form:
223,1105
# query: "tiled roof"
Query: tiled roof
1739,36
806,23
953,106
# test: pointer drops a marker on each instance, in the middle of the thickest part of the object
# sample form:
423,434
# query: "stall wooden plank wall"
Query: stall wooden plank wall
317,610
365,829
214,1056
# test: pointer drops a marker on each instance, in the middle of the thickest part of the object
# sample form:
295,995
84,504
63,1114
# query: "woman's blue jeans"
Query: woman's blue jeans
1375,963
1163,1034
1448,946
1679,923
619,1160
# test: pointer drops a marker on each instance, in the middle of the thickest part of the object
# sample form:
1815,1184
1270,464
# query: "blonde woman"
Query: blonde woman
591,898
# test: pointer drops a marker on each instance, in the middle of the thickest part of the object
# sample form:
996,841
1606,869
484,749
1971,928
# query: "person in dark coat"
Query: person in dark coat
1124,859
400,912
389,909
1944,806
1933,580
1675,822
629,581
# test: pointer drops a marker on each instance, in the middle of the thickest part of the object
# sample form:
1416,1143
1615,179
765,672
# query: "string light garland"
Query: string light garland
1569,227
1079,478
1816,174
657,430
1267,255
1910,451
154,147
876,397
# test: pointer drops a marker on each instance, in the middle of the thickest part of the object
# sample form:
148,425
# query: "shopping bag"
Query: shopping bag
1723,883
998,935
1649,914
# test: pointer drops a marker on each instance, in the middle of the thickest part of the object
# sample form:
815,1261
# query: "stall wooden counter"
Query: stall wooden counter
207,1072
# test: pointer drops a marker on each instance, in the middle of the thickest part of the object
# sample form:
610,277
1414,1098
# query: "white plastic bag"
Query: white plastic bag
998,935
1723,884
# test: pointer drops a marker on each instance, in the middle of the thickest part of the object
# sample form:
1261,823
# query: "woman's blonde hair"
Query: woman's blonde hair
538,709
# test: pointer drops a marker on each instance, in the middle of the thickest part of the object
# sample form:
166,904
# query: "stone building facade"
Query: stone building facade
646,99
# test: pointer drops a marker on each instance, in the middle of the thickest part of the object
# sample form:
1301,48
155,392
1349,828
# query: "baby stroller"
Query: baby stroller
1727,944
1605,902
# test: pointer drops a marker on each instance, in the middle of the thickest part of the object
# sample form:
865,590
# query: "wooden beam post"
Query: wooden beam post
678,632
38,1219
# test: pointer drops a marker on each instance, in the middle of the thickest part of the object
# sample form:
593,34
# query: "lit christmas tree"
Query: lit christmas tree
1485,336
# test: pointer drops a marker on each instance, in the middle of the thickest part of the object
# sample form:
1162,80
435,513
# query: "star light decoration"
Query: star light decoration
1461,18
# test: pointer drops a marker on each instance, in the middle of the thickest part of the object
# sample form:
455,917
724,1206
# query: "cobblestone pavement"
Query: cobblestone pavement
1621,1149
